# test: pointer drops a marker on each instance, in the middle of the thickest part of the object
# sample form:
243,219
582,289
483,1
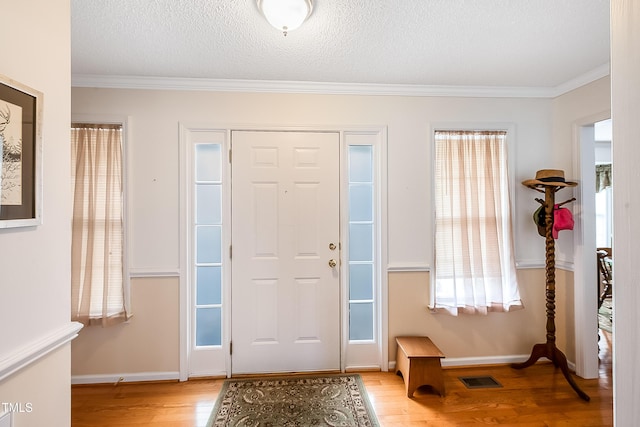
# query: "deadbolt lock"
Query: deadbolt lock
332,246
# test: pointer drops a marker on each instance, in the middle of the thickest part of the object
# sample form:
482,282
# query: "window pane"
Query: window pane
208,162
603,218
361,242
208,285
208,204
361,321
360,202
208,244
208,326
360,282
360,163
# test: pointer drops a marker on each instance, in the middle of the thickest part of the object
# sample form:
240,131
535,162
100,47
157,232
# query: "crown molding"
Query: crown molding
328,88
584,79
325,88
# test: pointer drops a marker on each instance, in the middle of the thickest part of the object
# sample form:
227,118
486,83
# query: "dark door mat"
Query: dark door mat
482,381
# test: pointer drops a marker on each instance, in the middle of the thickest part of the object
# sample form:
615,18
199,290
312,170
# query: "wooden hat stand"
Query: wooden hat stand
549,349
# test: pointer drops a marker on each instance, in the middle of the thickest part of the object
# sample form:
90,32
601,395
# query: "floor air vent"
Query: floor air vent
480,382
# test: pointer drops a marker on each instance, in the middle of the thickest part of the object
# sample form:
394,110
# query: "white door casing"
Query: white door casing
286,213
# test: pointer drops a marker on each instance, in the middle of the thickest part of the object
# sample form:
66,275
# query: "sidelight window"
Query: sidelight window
208,244
361,243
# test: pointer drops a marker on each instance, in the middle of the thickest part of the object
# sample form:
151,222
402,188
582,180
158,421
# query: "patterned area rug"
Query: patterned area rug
294,401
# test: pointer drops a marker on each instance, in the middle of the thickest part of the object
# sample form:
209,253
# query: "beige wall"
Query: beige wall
581,104
493,336
155,116
126,348
35,261
45,387
148,343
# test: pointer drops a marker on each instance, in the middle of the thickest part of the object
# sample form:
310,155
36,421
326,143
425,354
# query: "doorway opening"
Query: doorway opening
604,225
586,273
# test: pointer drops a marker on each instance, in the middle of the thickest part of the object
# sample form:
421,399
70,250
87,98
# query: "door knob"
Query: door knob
332,263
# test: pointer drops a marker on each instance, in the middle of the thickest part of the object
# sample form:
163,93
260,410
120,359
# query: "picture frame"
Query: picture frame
20,154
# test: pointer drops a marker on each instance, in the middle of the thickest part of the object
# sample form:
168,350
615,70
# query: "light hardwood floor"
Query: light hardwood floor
536,396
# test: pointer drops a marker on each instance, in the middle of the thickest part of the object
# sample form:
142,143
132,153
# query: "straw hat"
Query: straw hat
552,177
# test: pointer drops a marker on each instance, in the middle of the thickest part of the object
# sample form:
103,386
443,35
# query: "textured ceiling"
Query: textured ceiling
510,43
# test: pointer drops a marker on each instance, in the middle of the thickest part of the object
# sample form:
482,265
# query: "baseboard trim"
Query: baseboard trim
125,378
171,375
37,349
479,361
458,362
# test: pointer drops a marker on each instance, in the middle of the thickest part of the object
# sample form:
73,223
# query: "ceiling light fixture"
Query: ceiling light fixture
285,15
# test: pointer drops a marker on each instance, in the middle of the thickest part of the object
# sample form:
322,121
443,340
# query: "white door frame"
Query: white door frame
585,273
379,134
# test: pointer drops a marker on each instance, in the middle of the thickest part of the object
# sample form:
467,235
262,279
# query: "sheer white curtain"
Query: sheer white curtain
97,272
474,260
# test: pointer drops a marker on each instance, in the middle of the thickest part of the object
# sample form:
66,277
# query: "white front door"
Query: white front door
285,288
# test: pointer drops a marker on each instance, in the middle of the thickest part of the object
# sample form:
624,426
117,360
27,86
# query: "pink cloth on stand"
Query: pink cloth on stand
562,220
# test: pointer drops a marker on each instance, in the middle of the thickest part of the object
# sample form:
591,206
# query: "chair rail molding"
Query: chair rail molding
37,348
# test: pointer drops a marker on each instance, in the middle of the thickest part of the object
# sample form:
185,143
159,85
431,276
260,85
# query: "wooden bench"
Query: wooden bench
418,359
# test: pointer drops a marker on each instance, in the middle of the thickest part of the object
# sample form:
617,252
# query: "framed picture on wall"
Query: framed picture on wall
21,150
